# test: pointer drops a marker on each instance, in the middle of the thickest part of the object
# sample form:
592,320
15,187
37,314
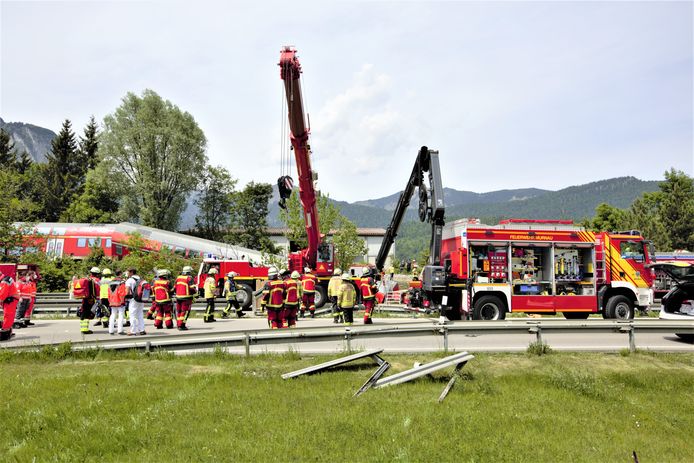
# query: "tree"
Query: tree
61,181
100,202
12,209
24,162
214,203
89,146
676,208
249,218
643,215
7,152
609,218
293,217
348,244
159,149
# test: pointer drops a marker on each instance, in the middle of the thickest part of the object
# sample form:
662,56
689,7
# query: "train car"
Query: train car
77,239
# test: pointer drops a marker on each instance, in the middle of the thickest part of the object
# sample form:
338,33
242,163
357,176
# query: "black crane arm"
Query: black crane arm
430,211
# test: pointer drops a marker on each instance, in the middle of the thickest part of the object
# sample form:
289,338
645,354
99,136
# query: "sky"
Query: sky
513,94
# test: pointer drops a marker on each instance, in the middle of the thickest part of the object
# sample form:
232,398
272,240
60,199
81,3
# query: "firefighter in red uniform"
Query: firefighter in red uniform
32,292
8,298
308,287
185,292
162,289
291,300
24,289
274,298
368,294
85,311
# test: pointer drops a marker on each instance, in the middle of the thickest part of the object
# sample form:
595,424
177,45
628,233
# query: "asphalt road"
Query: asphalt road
50,331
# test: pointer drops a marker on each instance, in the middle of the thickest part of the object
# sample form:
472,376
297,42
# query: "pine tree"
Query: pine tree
89,145
7,153
62,173
24,162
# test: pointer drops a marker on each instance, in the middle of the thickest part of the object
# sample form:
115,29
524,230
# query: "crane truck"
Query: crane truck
534,266
319,255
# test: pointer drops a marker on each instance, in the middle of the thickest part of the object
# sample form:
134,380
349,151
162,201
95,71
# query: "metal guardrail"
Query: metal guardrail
315,334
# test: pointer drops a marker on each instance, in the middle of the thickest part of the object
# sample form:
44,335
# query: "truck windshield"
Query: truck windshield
632,250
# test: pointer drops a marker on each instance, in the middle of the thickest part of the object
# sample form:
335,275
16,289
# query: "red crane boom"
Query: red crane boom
290,71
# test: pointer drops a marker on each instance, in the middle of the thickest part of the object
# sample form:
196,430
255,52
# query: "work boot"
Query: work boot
126,324
240,314
301,314
225,315
17,325
336,320
28,323
313,315
368,321
183,328
87,332
209,320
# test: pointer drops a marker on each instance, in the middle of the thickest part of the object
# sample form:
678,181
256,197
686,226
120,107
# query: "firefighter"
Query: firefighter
274,299
32,291
230,291
162,289
346,298
210,288
8,298
185,292
88,302
333,289
291,300
308,287
104,305
368,294
116,302
24,290
152,312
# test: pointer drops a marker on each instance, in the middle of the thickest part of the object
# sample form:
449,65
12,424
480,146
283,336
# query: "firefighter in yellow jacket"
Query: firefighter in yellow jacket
210,289
346,298
333,290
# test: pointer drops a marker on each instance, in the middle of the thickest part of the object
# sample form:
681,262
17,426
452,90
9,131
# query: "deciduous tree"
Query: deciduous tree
215,201
348,244
249,218
160,150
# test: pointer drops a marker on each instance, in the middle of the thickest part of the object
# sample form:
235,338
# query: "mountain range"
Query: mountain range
33,139
574,202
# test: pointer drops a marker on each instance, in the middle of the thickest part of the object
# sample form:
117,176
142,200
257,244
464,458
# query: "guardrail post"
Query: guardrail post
148,346
537,329
444,332
632,340
348,338
247,344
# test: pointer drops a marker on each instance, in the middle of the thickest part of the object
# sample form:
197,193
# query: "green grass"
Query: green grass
104,406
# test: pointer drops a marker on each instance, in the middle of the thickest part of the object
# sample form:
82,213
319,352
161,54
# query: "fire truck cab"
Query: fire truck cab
544,267
246,280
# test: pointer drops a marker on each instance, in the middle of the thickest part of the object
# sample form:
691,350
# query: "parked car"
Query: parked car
678,303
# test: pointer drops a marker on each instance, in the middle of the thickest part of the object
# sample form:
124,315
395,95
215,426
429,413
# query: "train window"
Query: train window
180,251
119,250
108,242
193,254
81,242
94,242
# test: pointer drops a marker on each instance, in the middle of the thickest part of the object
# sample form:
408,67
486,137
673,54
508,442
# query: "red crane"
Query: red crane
318,256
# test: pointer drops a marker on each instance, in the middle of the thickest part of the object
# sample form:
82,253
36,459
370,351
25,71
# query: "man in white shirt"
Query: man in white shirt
137,318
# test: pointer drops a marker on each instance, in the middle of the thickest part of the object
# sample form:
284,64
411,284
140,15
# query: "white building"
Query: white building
373,237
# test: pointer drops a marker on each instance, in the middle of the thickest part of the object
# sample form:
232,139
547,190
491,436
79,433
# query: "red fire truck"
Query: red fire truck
535,266
545,267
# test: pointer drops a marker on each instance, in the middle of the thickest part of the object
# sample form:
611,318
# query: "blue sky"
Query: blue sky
513,94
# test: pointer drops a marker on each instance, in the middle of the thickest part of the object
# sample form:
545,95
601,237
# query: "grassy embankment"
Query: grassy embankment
102,406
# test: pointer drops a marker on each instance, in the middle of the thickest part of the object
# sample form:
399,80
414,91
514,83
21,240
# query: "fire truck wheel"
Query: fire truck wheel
244,296
489,308
320,297
575,315
620,307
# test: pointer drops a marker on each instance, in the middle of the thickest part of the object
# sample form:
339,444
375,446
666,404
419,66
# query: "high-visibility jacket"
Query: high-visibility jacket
293,292
103,289
308,283
116,293
347,296
368,289
334,286
185,287
162,290
8,289
24,289
210,287
275,297
230,289
32,288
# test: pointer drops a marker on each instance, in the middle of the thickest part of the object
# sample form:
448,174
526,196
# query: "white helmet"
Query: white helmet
96,270
213,271
295,275
232,274
162,273
307,269
272,272
365,270
337,272
187,270
345,276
